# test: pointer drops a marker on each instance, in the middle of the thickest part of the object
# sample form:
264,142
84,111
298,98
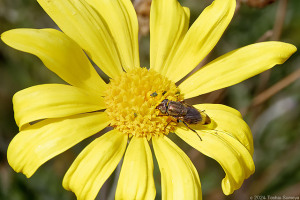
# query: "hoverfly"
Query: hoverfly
184,113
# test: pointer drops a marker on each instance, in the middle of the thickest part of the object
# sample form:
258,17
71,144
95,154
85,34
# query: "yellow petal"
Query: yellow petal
201,38
179,177
220,107
225,120
169,22
234,158
95,164
136,177
40,142
83,24
236,66
53,101
59,53
121,20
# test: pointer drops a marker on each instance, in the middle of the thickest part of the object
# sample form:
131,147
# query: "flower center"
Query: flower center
131,101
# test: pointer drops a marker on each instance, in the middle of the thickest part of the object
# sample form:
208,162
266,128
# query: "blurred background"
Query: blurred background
269,103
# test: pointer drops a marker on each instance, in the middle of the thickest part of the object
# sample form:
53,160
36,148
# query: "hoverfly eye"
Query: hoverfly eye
163,109
163,106
165,102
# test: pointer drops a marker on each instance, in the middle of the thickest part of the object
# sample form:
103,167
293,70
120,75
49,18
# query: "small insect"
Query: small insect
154,94
184,113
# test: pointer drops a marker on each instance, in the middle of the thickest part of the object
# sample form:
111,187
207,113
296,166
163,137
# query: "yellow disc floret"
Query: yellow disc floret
131,101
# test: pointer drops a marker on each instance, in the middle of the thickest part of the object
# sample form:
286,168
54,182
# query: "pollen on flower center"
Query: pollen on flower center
131,101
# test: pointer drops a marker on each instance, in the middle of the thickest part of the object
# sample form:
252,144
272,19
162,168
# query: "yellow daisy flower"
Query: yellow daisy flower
54,117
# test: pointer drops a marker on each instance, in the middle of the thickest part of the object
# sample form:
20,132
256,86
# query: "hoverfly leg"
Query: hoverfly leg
190,129
168,122
167,125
